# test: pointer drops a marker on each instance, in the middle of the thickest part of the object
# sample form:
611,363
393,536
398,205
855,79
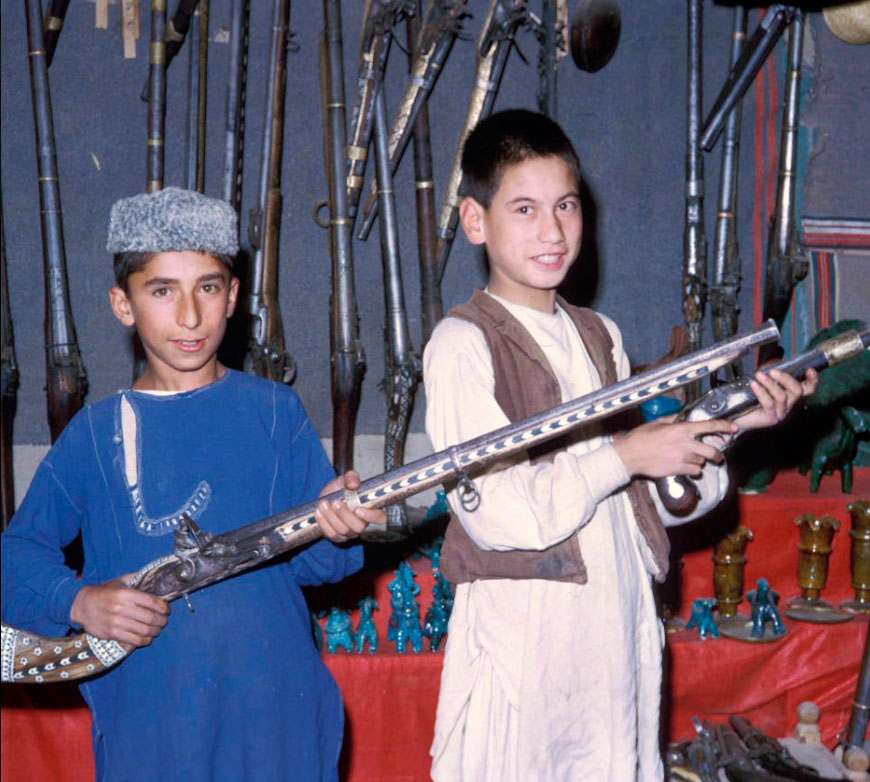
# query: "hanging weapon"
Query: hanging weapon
552,47
266,355
173,35
156,96
769,29
235,104
8,389
51,27
679,493
192,129
430,289
441,26
348,357
856,731
403,368
377,35
726,261
694,239
503,18
201,558
786,264
66,382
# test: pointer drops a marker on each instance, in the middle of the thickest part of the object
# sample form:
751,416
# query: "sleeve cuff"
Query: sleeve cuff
61,598
603,471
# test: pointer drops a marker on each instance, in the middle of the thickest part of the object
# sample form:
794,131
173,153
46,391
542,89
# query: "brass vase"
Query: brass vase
859,512
729,563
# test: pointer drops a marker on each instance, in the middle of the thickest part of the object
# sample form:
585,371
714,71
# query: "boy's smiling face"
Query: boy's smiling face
179,303
531,230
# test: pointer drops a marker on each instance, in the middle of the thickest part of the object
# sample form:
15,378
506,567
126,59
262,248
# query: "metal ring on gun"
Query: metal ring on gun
469,497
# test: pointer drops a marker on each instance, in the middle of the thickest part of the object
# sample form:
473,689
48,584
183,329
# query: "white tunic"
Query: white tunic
544,680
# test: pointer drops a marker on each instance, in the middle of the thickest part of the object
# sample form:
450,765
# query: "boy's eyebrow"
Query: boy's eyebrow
158,281
569,194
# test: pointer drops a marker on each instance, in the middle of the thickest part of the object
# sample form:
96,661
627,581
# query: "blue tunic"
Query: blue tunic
235,690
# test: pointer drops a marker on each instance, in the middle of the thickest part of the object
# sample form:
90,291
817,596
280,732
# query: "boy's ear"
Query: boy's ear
233,296
120,304
471,215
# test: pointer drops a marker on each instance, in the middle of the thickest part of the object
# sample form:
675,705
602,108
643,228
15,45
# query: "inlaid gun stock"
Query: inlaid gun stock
201,559
679,493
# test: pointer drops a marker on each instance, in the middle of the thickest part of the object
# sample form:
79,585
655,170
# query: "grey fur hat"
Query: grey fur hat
173,219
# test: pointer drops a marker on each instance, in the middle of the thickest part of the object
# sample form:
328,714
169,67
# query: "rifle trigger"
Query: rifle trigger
469,497
189,604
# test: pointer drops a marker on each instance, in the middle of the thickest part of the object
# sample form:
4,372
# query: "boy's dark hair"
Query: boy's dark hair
134,261
504,139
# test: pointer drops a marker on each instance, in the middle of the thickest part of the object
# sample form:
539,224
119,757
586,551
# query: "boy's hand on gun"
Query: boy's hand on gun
778,392
114,610
337,521
662,448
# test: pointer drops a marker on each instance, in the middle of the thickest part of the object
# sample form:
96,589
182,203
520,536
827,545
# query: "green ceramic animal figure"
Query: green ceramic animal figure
841,410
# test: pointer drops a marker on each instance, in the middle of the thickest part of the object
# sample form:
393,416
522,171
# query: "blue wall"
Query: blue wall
627,122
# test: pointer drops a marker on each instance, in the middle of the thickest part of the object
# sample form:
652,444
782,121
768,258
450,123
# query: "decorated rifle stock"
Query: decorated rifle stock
8,389
234,117
503,18
678,493
380,18
786,264
441,26
348,357
266,355
424,185
694,238
403,367
66,382
726,261
201,559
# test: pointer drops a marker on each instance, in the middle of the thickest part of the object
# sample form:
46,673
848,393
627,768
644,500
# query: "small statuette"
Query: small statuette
338,631
729,563
859,512
365,629
807,729
702,618
814,552
404,624
763,601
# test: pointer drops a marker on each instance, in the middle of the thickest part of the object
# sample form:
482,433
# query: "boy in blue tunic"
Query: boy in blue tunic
234,690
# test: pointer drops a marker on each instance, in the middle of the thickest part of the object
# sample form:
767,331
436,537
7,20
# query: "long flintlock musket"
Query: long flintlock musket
403,367
431,308
552,46
8,389
503,18
441,26
156,96
234,117
66,384
51,27
200,558
694,239
380,17
347,354
726,259
679,494
266,355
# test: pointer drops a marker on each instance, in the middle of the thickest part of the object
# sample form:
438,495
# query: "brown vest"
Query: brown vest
525,385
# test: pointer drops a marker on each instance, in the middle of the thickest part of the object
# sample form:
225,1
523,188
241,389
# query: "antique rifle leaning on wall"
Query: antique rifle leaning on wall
197,95
200,558
441,26
503,19
552,46
266,355
66,382
380,18
174,32
55,13
8,388
234,117
431,308
156,96
403,367
694,238
786,263
348,358
726,260
679,494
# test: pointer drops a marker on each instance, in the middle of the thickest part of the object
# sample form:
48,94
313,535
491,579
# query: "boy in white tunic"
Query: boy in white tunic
552,668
